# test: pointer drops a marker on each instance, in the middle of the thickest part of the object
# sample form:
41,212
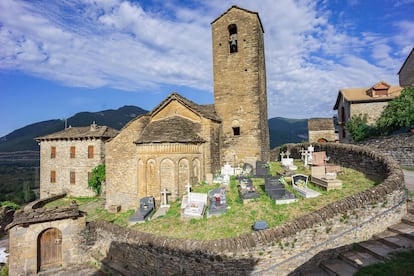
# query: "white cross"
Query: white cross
164,192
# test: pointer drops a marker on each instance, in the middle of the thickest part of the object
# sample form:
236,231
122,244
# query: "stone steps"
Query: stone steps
396,238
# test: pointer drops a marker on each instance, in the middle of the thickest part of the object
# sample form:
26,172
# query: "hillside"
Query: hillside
23,139
284,130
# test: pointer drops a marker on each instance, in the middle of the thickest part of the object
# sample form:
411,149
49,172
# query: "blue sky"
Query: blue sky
61,57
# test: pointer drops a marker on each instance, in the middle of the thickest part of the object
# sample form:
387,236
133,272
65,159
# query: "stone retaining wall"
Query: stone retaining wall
399,147
277,250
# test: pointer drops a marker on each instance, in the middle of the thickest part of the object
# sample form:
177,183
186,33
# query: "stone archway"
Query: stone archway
167,177
49,248
322,140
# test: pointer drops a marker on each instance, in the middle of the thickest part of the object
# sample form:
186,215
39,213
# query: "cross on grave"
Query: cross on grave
287,154
304,154
310,151
164,203
282,155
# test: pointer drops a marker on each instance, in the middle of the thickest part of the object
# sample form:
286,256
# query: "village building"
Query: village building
369,101
68,157
180,142
321,130
406,73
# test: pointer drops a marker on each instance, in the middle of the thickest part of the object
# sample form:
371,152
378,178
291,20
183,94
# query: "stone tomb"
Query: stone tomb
247,191
300,184
218,203
262,169
323,174
193,205
143,213
277,191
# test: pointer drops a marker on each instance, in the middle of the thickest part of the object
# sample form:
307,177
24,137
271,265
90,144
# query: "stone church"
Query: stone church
181,142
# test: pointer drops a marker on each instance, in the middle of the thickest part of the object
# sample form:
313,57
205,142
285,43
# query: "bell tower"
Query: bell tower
240,96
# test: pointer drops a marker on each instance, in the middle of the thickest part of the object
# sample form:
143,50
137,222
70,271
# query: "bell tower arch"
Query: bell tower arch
240,96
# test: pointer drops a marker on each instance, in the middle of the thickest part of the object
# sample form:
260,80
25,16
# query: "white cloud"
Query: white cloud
131,47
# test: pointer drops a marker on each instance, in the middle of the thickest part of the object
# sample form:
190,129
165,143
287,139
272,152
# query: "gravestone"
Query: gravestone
277,191
260,225
262,169
143,213
300,184
247,169
218,202
164,200
247,191
194,204
226,171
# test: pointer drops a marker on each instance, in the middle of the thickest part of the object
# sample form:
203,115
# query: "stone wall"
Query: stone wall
277,250
399,147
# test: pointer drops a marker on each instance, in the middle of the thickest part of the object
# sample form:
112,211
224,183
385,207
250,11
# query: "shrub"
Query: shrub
97,177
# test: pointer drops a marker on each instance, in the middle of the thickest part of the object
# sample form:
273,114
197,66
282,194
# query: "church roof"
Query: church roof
93,131
174,129
316,124
206,111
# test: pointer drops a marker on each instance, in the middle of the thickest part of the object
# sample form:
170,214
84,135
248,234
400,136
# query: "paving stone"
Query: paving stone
377,249
317,271
402,228
394,239
359,258
408,219
339,267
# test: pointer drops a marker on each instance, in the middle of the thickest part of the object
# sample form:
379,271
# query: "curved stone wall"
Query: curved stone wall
281,249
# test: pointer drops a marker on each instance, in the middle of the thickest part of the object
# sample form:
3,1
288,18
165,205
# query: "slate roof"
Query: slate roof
93,131
237,7
174,129
206,111
362,95
410,55
315,124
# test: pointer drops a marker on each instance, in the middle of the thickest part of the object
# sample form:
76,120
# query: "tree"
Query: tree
399,113
96,179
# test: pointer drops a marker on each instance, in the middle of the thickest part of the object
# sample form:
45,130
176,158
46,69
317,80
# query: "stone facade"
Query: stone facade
68,157
406,73
181,142
27,247
321,130
240,87
278,250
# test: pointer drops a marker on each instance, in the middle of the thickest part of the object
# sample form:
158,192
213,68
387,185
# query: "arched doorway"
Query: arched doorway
322,140
49,248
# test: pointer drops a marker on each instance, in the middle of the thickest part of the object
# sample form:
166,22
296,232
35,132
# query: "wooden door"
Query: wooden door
49,248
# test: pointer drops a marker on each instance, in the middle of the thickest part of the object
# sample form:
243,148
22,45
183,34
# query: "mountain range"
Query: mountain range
281,130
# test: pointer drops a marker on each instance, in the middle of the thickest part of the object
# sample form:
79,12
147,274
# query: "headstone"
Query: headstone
218,202
247,191
227,171
143,213
319,158
194,205
262,169
300,184
247,169
260,225
275,188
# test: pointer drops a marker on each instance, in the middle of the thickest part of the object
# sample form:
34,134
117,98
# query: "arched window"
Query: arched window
233,38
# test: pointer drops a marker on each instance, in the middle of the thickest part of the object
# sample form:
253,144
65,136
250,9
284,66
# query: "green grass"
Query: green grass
402,263
407,168
240,217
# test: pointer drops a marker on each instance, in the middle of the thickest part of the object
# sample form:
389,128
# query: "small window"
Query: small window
233,38
72,152
236,131
72,178
90,152
52,152
53,177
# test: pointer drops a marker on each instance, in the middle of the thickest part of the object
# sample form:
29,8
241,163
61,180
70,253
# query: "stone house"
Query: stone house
45,238
406,73
322,130
180,142
68,157
359,101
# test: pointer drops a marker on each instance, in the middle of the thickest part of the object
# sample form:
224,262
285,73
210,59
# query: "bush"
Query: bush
359,128
97,177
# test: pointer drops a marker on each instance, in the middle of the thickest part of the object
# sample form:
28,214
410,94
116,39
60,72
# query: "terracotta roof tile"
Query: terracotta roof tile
93,131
